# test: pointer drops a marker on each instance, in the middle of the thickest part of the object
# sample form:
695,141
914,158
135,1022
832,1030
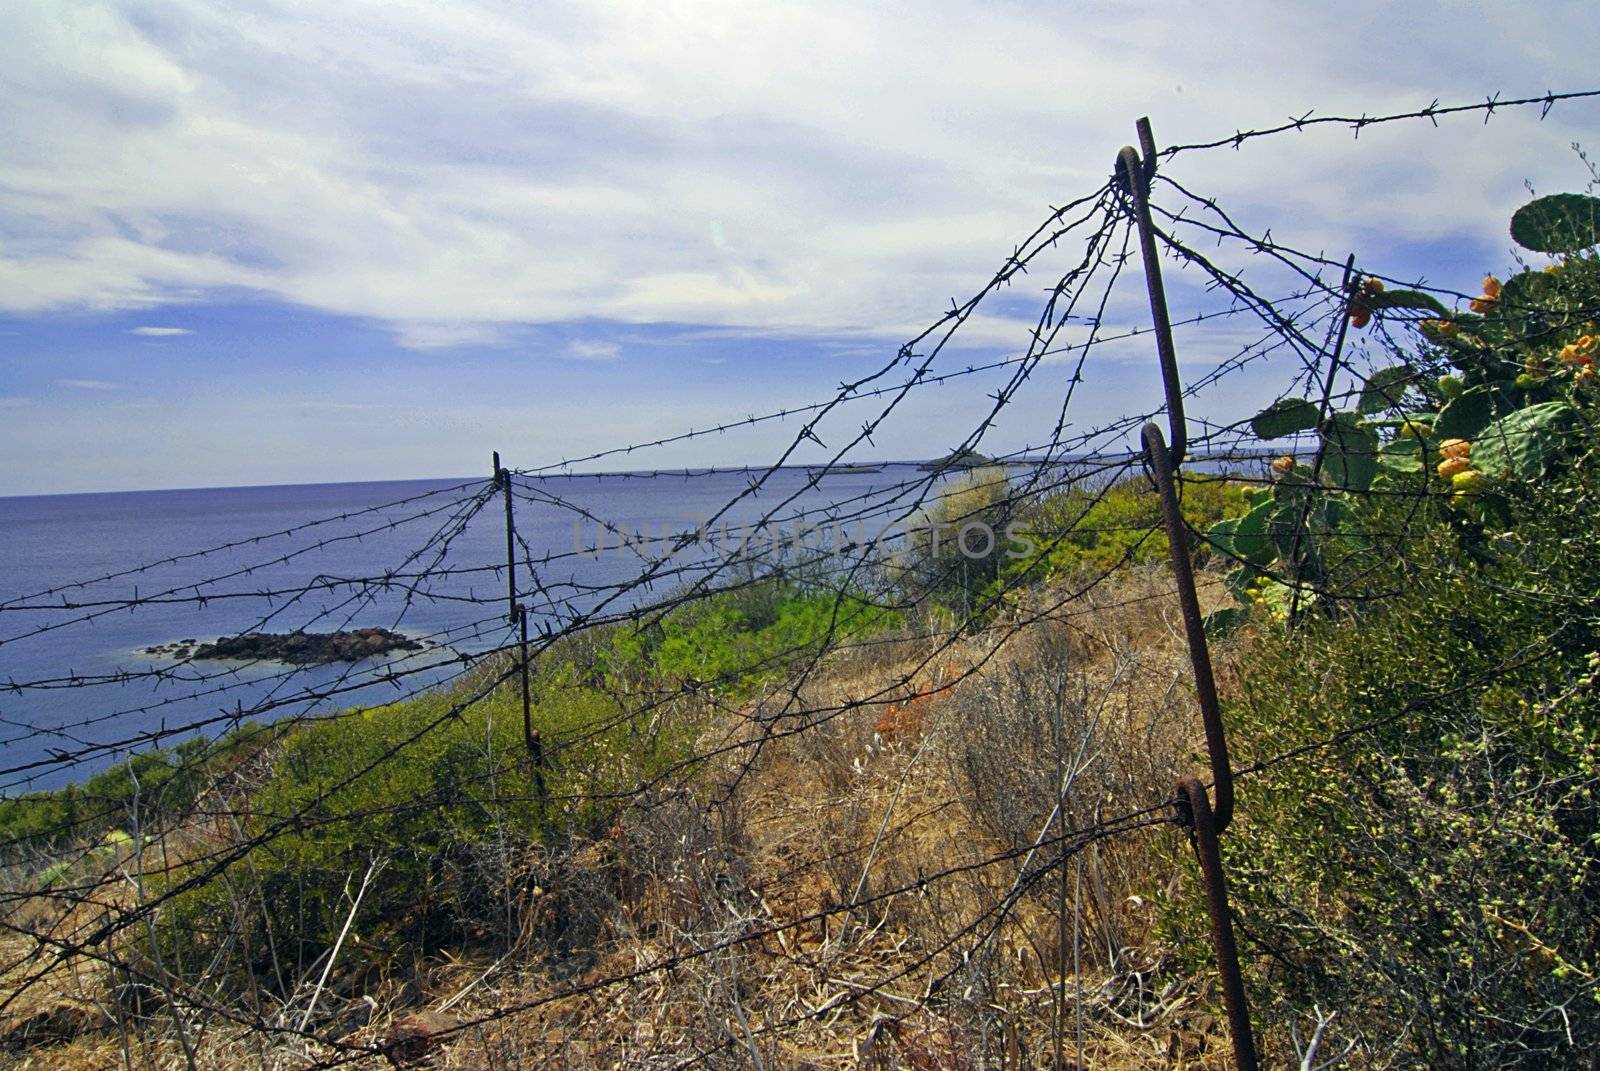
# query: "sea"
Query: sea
96,588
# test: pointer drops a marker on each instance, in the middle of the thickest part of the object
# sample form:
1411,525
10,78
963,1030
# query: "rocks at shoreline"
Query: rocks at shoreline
293,648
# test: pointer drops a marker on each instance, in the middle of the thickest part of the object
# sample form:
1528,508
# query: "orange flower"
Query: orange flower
1451,448
1491,295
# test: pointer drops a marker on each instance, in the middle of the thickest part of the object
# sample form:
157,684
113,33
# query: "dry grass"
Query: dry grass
738,879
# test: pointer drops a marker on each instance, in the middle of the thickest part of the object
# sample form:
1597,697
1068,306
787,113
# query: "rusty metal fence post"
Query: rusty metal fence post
519,616
1193,805
1192,798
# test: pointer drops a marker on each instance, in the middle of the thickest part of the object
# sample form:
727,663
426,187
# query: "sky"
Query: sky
274,242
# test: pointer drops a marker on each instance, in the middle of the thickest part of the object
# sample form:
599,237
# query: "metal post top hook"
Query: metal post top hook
1135,174
1139,162
1129,164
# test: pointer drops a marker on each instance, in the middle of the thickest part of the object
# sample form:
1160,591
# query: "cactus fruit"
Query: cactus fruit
1490,298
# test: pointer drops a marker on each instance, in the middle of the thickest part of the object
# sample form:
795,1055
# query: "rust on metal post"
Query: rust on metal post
1194,806
530,735
1147,149
1135,175
1205,684
502,479
1195,812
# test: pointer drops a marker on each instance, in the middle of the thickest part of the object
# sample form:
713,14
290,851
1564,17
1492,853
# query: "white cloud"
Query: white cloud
455,171
431,335
580,349
159,332
89,384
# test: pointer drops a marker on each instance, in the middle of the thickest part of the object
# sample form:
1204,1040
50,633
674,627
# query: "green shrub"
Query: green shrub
150,789
1419,850
1081,530
1434,875
940,563
736,641
442,791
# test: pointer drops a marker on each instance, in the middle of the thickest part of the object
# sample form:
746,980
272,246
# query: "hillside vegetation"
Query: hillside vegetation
922,818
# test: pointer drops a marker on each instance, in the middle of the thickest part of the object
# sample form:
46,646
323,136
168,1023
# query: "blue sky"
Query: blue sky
282,242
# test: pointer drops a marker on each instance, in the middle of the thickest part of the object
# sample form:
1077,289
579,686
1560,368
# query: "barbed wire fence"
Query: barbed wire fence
516,625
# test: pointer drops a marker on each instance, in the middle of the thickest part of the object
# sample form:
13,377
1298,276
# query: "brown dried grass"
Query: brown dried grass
961,764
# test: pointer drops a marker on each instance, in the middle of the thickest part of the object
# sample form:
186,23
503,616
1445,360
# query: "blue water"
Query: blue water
199,564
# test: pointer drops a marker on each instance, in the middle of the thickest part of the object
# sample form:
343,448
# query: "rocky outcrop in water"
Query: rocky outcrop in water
294,648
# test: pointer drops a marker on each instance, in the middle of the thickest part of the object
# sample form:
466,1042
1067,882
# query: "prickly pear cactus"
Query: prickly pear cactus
1559,223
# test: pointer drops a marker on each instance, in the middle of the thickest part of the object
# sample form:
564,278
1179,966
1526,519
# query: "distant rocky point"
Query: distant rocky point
294,648
966,458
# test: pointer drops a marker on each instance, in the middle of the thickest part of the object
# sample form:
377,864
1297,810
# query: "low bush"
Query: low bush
437,794
1417,850
146,791
1097,530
